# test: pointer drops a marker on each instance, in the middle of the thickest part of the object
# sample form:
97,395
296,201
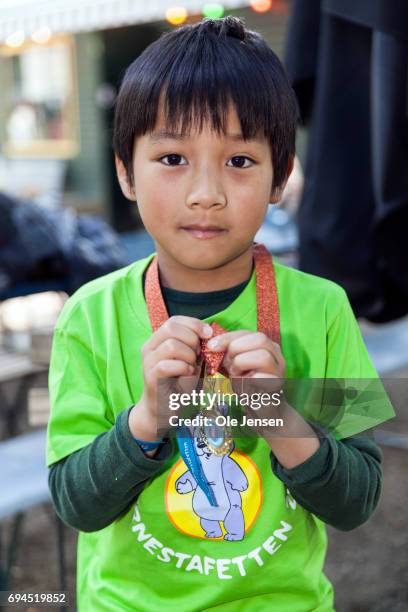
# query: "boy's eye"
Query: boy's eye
240,161
173,160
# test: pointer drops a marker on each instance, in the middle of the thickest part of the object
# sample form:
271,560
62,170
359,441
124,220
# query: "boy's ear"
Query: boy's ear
277,192
127,190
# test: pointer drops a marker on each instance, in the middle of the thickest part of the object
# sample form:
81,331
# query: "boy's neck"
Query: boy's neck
175,276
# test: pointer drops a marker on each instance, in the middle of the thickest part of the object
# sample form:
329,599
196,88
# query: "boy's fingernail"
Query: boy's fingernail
213,343
207,331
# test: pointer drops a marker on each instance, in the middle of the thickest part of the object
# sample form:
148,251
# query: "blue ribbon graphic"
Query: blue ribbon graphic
188,452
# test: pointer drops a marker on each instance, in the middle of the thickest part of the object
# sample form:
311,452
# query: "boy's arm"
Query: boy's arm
101,468
93,486
340,483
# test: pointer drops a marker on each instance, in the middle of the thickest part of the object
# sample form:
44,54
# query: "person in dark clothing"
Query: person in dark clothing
348,64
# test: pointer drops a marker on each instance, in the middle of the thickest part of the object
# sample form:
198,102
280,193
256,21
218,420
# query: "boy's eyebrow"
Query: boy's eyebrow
157,136
164,135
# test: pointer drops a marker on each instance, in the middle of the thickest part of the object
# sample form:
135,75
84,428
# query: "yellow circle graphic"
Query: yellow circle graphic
180,506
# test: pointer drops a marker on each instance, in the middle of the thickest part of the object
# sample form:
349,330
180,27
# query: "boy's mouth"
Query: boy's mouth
203,232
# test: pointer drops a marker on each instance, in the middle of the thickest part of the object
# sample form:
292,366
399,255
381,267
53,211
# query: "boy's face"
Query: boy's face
202,197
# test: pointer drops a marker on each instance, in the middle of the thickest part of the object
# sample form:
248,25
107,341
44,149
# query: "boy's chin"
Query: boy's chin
203,257
201,263
206,261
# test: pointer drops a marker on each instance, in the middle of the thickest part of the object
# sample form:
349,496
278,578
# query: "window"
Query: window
41,114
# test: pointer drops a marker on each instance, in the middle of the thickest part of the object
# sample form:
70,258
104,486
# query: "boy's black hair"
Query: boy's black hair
199,69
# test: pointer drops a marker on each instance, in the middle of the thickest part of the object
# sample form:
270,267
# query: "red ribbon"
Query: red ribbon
266,303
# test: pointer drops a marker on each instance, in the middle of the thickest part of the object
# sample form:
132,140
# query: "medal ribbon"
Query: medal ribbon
267,322
266,304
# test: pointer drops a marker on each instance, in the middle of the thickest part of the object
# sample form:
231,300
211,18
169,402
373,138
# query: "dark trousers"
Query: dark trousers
353,218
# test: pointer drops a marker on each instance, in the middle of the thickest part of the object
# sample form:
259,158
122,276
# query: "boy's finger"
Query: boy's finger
178,333
172,367
257,341
173,348
203,330
258,360
221,343
251,342
185,329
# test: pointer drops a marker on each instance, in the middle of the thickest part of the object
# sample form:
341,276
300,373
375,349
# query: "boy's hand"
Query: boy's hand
249,354
171,352
257,359
254,355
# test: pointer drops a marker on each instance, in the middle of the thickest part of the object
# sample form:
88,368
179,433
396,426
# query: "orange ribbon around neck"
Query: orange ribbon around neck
266,304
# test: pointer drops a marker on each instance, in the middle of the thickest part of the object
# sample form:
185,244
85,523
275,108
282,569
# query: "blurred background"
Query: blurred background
64,221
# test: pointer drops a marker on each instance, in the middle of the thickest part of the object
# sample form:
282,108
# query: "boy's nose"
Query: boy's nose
206,192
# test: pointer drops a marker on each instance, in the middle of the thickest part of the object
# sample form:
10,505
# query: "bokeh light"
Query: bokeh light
176,15
213,10
261,6
16,39
41,36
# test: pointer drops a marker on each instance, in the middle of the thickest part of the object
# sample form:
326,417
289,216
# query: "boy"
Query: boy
204,140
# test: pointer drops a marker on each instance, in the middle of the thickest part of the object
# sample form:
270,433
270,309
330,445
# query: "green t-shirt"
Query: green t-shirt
169,551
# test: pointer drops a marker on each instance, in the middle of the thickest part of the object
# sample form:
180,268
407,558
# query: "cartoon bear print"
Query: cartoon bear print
227,480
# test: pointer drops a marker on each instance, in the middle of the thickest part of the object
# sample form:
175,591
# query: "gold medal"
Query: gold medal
215,436
215,432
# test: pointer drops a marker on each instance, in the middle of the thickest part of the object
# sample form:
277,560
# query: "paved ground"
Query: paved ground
369,565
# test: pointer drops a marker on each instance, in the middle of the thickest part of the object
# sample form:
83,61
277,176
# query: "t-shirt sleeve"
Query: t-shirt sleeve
347,355
354,396
80,410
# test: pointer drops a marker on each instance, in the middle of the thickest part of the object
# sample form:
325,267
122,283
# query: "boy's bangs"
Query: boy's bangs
200,87
187,108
